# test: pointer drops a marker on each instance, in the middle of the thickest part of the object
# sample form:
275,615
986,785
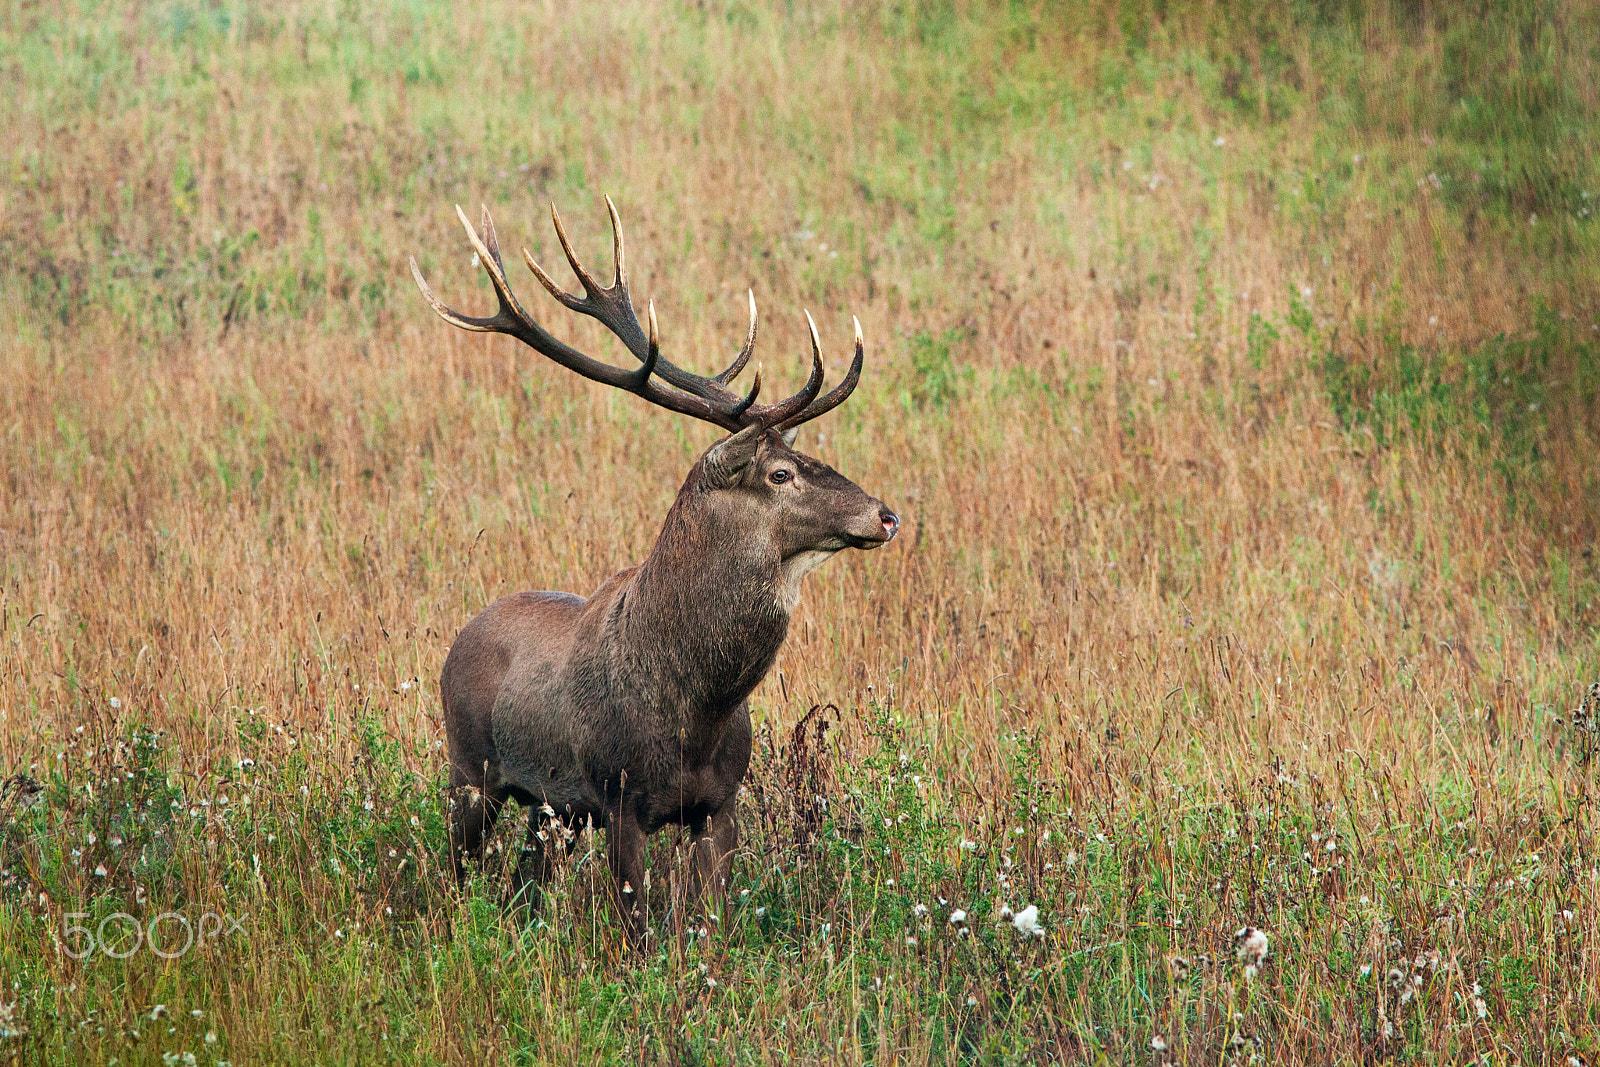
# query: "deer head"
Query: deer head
751,485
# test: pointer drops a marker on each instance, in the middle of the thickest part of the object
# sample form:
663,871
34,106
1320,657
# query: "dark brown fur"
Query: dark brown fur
631,708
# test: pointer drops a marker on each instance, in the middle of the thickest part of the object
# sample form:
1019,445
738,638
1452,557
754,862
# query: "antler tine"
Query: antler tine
509,317
550,286
839,393
490,261
784,410
489,239
732,370
649,365
749,398
590,286
572,302
621,279
454,318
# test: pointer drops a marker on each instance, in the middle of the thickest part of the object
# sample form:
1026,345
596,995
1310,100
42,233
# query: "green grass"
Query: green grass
855,872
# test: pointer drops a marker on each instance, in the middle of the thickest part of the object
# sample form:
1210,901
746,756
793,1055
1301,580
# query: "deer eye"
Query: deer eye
780,476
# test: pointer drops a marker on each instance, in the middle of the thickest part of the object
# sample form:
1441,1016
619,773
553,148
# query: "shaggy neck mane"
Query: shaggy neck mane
703,617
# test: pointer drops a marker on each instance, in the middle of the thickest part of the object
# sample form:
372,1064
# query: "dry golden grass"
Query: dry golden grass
248,476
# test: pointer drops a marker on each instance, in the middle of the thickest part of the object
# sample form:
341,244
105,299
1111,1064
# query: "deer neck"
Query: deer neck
706,612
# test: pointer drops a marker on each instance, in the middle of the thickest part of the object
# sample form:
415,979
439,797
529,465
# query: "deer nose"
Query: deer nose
891,523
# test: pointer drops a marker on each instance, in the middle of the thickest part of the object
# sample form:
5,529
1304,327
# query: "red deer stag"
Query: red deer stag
631,708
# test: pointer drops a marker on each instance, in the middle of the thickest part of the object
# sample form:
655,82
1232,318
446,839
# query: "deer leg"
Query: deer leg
625,853
473,813
711,859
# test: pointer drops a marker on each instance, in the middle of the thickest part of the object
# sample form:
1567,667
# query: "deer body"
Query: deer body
629,710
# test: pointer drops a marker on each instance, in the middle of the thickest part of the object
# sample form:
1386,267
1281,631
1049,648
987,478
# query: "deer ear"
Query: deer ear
725,459
789,435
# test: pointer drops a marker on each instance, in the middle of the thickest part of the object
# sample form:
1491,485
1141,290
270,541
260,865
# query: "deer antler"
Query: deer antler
657,379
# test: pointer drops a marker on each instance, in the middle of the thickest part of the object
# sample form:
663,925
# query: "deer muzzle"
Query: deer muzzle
877,533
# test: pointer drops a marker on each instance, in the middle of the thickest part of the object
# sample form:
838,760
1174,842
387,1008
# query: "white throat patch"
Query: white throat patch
791,571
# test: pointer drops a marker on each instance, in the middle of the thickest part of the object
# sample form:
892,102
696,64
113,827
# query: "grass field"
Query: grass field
1235,368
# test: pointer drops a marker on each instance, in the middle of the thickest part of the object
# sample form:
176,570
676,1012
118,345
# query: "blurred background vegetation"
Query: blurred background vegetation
1235,369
